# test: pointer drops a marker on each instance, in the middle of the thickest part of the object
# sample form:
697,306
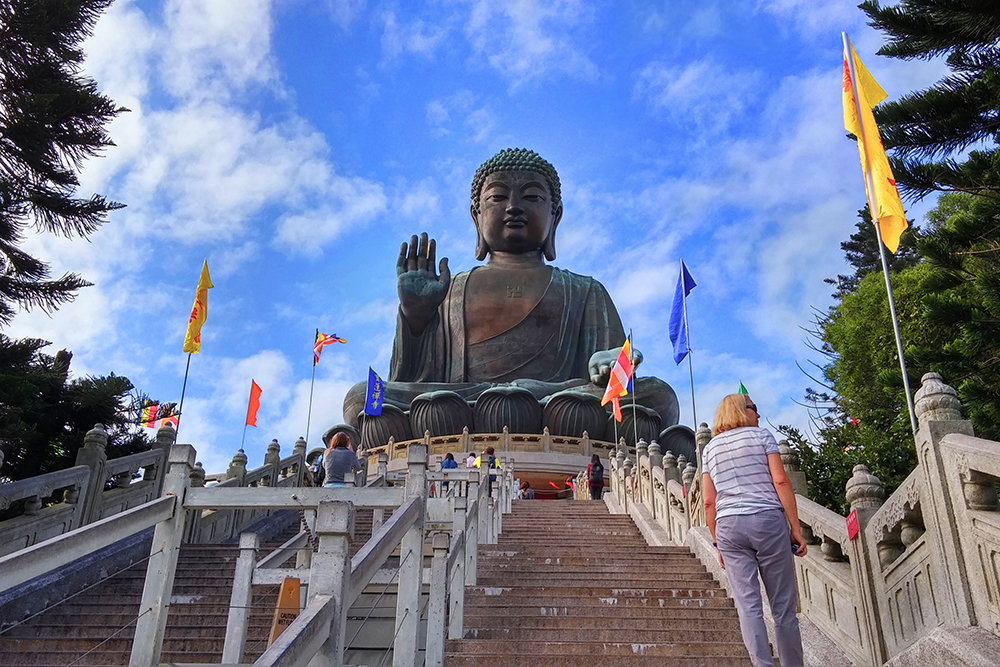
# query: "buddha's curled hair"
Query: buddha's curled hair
516,159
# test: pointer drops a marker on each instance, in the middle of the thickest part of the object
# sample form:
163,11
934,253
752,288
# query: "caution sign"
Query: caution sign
287,609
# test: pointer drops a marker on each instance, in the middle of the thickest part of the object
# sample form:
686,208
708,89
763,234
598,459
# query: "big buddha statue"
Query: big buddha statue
514,328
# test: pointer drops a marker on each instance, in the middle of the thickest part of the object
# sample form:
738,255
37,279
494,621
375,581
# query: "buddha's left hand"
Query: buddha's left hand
601,363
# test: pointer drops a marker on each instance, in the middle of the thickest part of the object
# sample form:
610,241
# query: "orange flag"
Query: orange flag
254,404
862,92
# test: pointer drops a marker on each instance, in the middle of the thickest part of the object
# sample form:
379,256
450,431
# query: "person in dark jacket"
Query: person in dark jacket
595,477
339,460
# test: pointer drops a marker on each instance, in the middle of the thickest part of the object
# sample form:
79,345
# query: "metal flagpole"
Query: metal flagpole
870,182
687,341
180,408
311,383
635,421
243,441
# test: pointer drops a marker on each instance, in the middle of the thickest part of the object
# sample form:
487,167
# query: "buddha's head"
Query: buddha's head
516,204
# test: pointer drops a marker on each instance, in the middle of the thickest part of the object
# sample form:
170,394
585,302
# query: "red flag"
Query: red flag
616,408
254,404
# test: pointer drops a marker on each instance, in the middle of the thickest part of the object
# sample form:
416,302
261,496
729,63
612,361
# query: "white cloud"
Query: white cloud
813,15
416,38
347,202
345,12
701,94
531,39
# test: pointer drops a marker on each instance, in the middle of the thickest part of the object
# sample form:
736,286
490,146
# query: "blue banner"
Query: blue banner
373,401
677,327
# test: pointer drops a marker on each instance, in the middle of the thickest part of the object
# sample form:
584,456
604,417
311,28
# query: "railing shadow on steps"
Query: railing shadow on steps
921,565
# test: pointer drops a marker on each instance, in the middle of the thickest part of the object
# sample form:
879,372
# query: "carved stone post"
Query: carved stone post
299,471
437,604
790,461
238,467
167,537
456,582
655,456
165,438
939,413
701,438
378,515
272,458
239,601
670,467
865,493
627,470
472,536
411,565
198,475
330,573
93,454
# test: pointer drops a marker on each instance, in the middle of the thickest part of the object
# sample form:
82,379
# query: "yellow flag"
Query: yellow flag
199,312
884,203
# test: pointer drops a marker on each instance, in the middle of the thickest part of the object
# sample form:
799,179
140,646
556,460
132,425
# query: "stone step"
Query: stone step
556,604
561,550
635,660
573,580
501,565
723,632
555,650
625,617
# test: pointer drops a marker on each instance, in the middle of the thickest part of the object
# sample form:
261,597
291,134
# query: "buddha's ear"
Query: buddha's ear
482,249
549,247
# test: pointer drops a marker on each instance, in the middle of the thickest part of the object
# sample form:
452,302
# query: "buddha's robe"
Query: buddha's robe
547,351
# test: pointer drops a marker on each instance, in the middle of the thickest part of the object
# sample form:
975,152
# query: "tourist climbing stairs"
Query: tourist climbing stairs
96,626
568,583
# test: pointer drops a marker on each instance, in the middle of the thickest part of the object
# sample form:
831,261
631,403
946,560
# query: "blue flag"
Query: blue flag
373,400
677,327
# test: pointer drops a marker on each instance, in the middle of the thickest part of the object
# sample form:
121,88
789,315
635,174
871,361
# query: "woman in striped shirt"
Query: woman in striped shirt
749,504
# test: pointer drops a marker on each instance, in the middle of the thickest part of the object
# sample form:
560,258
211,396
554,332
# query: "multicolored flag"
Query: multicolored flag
173,420
322,340
149,414
620,381
677,326
199,312
254,404
860,93
376,394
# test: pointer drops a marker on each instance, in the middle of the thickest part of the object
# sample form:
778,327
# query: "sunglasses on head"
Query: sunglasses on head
751,406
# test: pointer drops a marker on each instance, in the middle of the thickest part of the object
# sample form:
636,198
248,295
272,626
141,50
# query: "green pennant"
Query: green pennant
743,390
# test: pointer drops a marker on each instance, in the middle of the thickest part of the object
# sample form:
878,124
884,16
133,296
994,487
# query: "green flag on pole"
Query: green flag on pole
743,390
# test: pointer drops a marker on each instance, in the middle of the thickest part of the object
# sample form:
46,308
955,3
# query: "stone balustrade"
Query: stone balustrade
923,560
97,488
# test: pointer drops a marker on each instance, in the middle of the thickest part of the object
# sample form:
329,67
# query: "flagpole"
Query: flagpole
870,183
687,336
635,421
180,408
311,383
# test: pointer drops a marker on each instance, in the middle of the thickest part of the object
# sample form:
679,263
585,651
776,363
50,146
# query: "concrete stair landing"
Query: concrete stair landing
570,584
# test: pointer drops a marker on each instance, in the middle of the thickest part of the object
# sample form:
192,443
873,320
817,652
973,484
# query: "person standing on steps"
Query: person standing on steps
595,477
492,463
339,460
449,463
749,504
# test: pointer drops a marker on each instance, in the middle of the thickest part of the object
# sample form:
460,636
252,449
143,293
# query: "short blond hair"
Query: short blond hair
731,413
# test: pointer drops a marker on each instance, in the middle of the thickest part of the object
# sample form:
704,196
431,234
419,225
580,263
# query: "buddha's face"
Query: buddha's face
515,212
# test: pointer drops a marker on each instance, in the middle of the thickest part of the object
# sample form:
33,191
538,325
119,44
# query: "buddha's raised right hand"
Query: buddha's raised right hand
421,289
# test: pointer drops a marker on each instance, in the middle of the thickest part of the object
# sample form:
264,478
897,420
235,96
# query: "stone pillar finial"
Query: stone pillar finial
641,449
669,460
936,401
238,466
299,447
789,458
197,475
681,462
655,455
96,437
273,455
703,434
688,475
165,438
864,490
628,466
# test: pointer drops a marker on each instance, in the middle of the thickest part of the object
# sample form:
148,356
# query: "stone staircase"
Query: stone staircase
96,627
570,584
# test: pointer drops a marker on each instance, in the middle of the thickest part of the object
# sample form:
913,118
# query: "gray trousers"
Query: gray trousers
752,543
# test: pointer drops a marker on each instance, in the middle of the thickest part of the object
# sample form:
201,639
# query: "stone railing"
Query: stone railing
97,488
922,562
501,442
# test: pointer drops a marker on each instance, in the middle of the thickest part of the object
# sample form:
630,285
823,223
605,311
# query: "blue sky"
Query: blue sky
296,143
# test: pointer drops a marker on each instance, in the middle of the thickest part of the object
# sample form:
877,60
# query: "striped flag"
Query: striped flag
322,340
620,381
148,417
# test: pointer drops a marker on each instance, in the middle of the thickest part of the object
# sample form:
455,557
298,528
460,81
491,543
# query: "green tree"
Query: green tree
862,253
52,118
963,301
926,129
44,415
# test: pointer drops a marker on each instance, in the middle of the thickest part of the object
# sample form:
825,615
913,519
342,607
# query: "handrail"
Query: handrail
366,562
274,559
132,462
52,554
457,549
280,498
303,637
43,485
